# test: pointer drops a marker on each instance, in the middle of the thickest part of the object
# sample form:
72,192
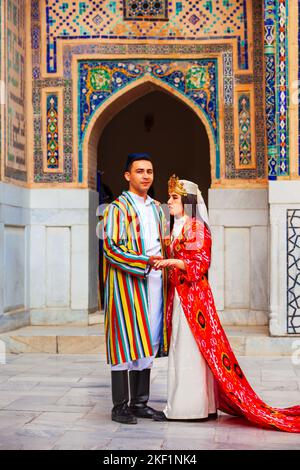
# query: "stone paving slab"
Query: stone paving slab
64,402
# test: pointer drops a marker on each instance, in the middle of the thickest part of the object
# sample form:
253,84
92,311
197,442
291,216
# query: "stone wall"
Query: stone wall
13,83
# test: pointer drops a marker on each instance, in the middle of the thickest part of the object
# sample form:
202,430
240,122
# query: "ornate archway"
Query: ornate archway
105,92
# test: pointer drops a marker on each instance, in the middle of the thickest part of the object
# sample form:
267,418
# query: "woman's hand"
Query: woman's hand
169,263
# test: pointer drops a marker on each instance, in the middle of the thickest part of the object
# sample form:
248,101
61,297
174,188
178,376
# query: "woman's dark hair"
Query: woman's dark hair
190,207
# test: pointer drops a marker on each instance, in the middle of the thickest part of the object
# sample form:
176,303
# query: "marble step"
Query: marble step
56,339
245,341
256,341
96,318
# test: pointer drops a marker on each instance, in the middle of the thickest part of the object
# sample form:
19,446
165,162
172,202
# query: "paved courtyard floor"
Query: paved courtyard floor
64,402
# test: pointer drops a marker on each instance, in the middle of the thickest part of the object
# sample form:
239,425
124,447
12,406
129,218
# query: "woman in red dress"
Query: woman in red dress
204,374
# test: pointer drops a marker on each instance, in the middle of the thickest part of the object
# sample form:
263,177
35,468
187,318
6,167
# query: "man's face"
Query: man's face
140,176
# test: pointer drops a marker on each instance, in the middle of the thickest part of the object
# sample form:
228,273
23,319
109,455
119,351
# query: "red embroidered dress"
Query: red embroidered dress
235,394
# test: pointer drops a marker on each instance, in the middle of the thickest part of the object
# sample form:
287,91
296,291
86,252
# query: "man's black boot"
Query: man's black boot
120,397
139,381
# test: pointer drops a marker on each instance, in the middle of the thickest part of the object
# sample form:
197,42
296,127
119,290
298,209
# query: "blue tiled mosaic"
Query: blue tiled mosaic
197,80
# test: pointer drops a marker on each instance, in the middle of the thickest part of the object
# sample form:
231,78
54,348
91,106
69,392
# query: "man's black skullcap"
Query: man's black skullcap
132,157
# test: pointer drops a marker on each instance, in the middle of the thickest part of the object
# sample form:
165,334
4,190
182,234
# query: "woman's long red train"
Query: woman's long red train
236,396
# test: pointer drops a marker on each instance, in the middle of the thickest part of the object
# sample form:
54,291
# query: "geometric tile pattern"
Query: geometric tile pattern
271,115
228,78
244,119
169,49
145,10
293,271
190,20
196,79
67,174
276,86
52,131
35,39
270,90
282,87
230,126
13,132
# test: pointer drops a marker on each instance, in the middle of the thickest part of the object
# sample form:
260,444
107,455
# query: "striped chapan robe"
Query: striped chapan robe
127,327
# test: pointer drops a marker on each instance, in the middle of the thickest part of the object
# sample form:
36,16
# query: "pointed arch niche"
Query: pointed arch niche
122,99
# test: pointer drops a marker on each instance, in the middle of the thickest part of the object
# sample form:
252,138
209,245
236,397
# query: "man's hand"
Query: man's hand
153,259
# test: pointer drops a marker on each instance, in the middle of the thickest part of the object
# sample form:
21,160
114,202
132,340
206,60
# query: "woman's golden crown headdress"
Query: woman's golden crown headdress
175,186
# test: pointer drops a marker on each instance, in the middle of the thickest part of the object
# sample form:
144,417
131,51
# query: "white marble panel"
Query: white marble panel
14,268
79,266
27,267
243,317
237,268
59,217
216,271
284,192
59,198
259,268
238,217
13,215
1,268
238,199
58,316
58,266
13,195
93,251
37,266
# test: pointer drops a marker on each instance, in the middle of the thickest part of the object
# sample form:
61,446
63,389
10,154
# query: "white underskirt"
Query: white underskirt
191,385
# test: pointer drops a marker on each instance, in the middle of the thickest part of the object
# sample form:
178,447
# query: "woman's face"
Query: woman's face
175,205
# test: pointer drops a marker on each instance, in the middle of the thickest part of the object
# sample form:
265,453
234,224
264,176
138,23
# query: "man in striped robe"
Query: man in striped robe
134,293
